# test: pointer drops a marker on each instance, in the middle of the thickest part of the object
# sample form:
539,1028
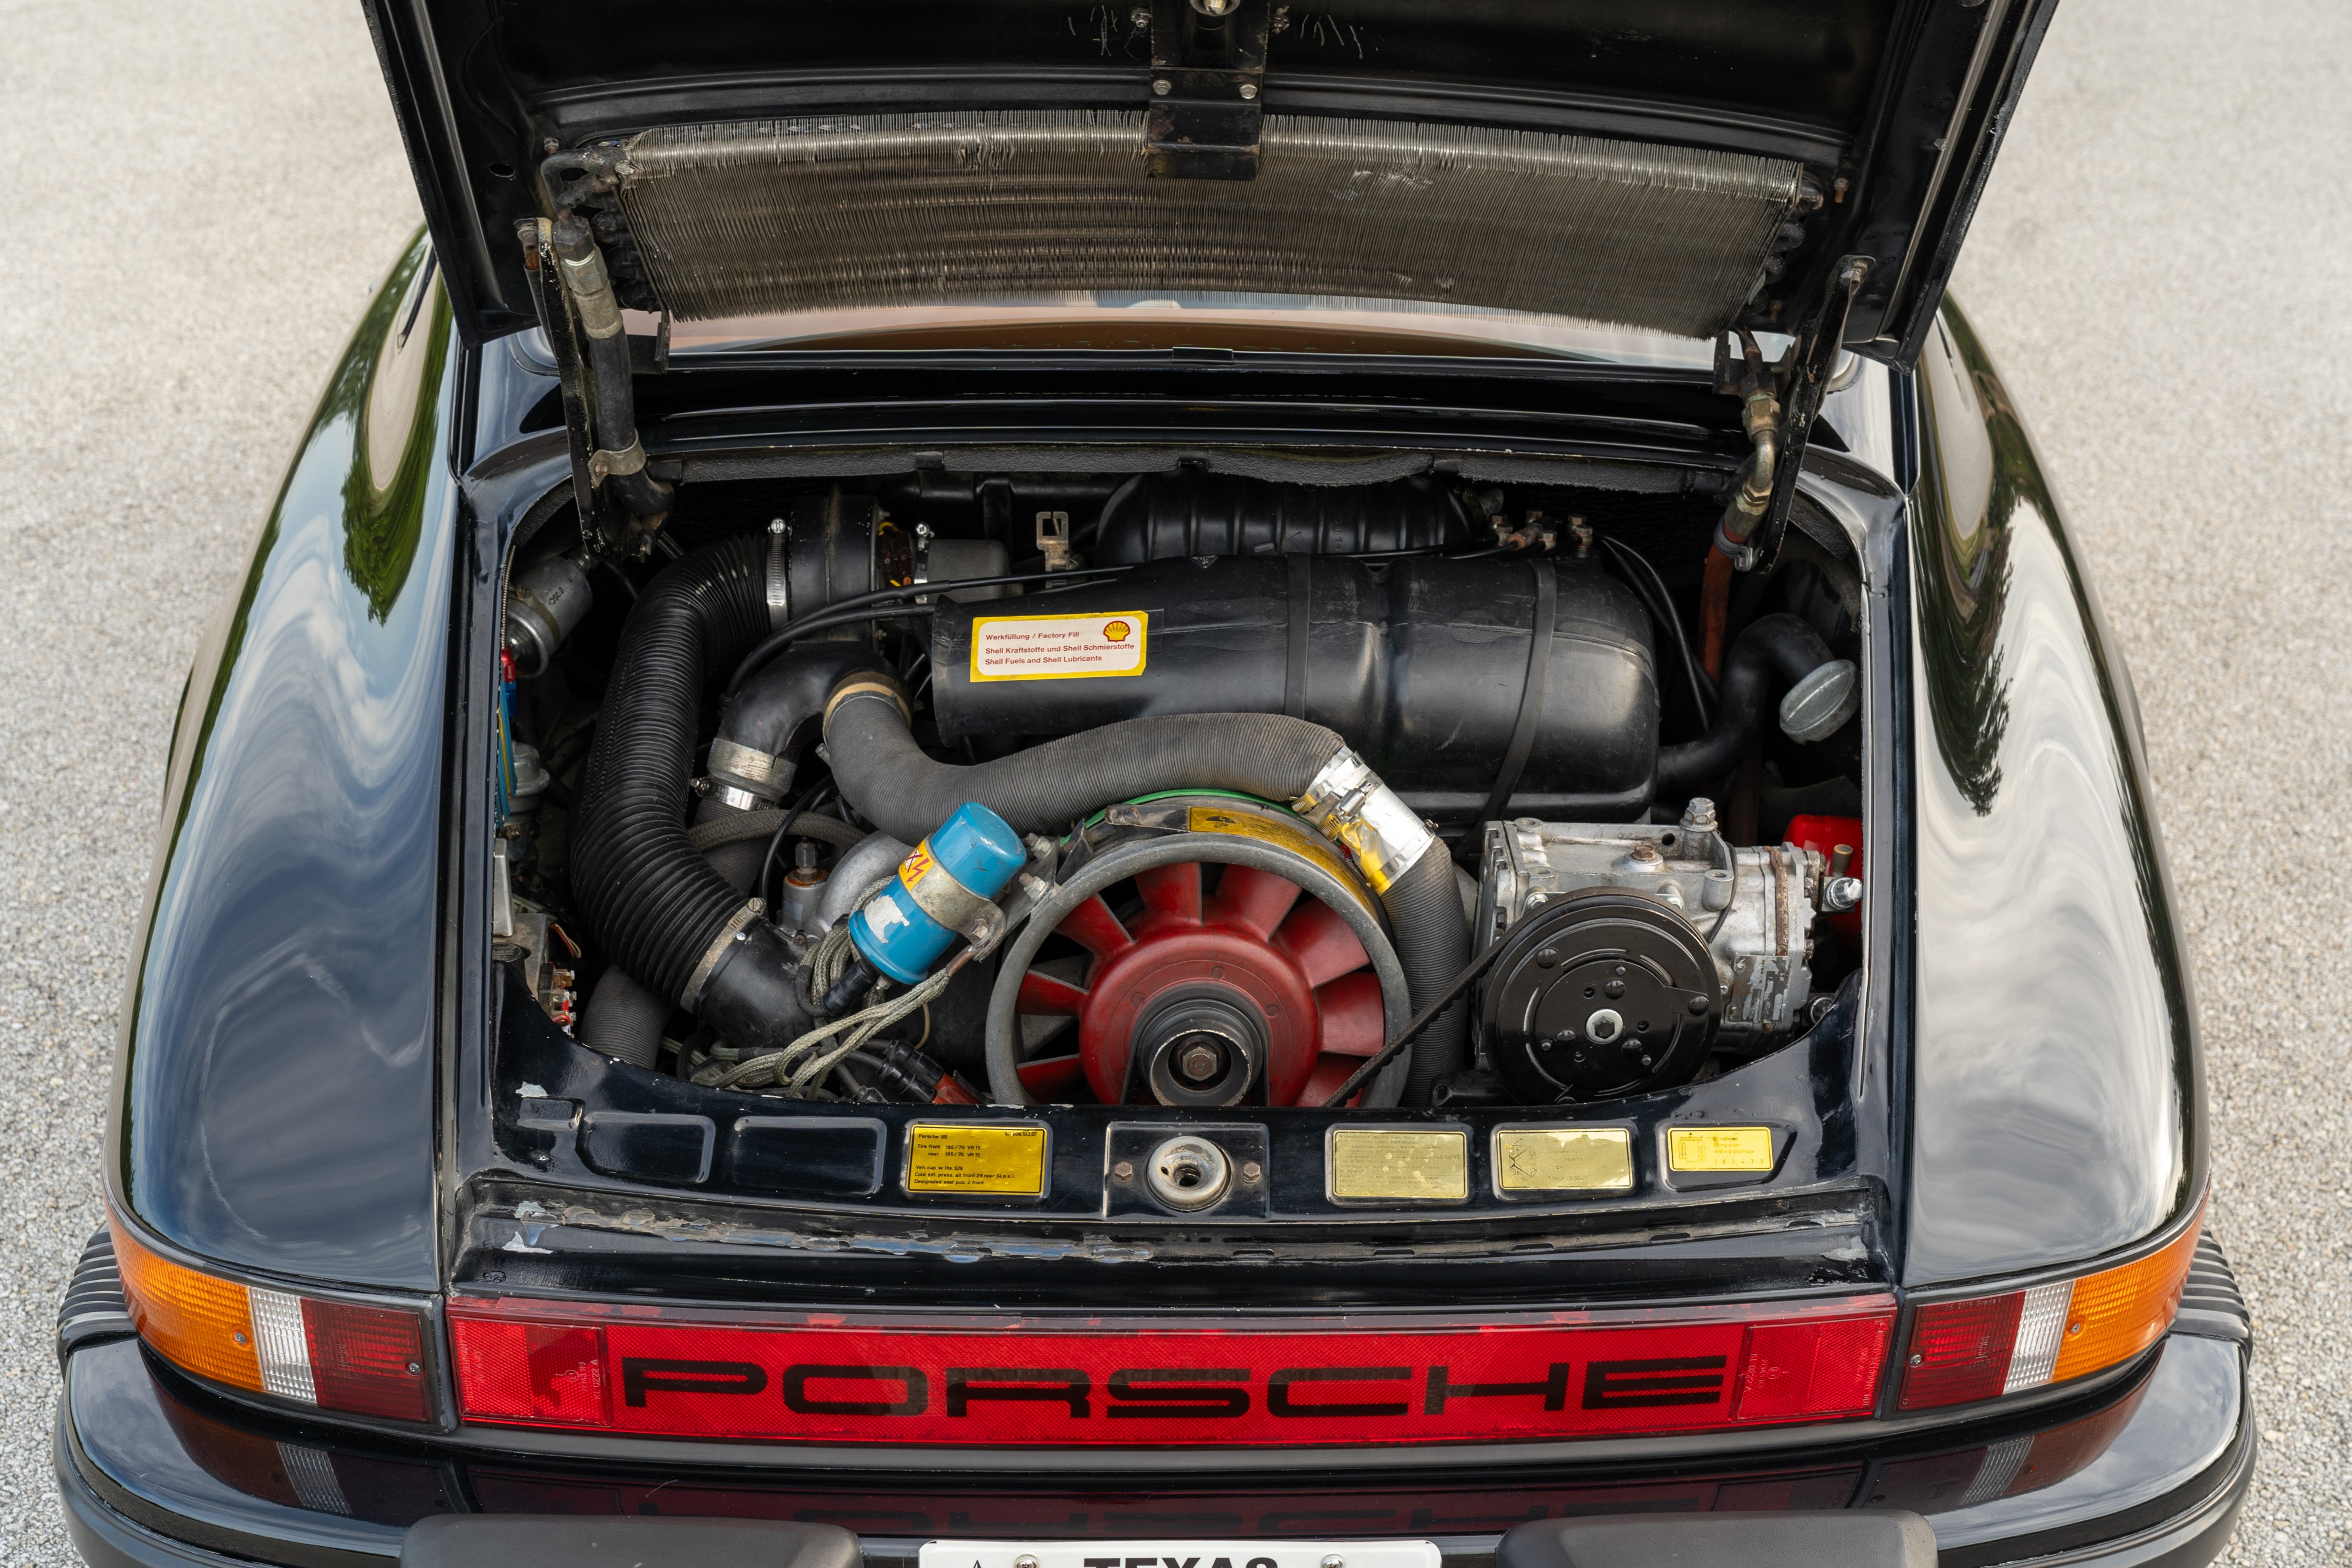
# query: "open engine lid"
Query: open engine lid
1680,165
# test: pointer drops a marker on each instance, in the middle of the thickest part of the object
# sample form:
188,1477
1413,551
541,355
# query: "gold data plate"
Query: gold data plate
1397,1164
1530,1160
1711,1150
985,1159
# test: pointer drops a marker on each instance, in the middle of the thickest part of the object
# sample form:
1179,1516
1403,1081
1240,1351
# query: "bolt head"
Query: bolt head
1335,1561
1249,89
1251,1170
1216,7
1025,1561
1124,1171
1161,87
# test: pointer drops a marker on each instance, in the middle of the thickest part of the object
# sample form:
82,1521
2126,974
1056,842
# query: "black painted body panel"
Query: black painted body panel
274,1089
2058,1106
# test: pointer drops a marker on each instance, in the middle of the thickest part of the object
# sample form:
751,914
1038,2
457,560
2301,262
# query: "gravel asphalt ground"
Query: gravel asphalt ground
199,198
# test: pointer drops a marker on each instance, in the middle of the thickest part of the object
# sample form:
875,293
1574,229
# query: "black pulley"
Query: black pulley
1605,994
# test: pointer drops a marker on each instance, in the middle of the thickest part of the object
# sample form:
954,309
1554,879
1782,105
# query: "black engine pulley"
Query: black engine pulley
1605,994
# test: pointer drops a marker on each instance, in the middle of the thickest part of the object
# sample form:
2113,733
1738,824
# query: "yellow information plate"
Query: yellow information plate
1058,647
966,1156
1563,1159
1719,1148
1399,1163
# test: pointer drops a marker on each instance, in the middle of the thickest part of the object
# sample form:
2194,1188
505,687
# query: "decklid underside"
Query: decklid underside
1682,166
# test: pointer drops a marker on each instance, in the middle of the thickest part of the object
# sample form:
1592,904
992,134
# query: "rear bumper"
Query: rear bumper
154,1472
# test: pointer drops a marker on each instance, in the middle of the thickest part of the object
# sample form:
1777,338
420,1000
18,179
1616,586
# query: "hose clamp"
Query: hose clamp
604,462
745,768
780,574
1347,804
939,895
1742,554
729,934
867,686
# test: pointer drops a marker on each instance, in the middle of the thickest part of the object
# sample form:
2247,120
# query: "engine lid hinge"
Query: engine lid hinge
1208,73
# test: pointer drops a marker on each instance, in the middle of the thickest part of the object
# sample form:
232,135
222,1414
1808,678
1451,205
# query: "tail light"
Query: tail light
680,1372
343,1356
1986,1346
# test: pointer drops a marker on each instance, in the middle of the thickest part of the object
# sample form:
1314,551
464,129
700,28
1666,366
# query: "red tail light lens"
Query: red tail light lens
366,1360
1959,1351
682,1373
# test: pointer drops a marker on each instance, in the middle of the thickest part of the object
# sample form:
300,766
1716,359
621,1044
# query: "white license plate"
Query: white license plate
1149,1554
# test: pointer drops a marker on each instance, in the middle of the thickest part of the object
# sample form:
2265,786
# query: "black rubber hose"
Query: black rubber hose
774,709
646,893
614,377
1433,943
1773,653
623,1019
883,773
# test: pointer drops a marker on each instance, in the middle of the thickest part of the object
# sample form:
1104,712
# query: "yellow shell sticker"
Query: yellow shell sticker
1058,647
1294,837
1395,1163
1563,1159
949,1157
1719,1148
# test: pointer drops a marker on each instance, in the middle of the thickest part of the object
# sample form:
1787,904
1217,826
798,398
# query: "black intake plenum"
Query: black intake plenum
1420,664
1161,517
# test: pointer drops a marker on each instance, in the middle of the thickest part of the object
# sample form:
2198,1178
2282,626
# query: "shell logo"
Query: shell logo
1117,631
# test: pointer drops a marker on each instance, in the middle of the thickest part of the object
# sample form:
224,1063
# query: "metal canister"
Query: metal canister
939,892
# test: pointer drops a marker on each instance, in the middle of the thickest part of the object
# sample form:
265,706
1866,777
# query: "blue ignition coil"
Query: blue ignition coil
938,893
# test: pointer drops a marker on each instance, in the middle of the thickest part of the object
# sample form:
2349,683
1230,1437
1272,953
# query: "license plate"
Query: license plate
1179,1554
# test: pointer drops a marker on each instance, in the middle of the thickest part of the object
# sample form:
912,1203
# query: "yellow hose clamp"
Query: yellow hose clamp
1348,805
867,686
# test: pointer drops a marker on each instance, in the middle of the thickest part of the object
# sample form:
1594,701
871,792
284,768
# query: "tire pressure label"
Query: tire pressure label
1058,647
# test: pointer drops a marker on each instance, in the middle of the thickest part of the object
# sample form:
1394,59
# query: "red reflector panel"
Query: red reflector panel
1027,1382
1810,1371
535,1374
369,1361
1959,1351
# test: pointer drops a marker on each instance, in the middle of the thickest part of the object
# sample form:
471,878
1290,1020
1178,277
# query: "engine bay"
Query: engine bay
1180,791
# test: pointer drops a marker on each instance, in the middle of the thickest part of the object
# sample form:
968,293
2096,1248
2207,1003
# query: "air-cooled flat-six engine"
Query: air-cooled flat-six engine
1232,793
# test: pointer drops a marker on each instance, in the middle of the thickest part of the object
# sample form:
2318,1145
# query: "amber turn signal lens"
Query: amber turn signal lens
196,1323
2116,1314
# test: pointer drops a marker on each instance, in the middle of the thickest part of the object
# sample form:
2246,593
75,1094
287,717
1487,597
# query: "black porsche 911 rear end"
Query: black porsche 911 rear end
1359,816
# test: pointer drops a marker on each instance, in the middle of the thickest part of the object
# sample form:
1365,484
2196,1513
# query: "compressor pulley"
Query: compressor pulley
1601,995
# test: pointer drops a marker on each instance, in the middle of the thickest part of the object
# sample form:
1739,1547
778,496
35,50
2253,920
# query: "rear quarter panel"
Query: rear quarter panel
273,1101
2058,1088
